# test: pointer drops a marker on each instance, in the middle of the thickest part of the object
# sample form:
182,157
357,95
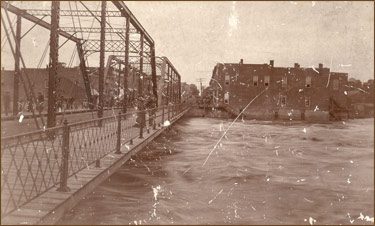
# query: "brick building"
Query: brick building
292,93
70,84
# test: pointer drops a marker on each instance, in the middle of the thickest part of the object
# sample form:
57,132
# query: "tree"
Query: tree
194,90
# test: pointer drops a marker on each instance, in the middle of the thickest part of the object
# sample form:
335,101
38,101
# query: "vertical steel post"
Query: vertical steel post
180,87
154,81
126,74
172,95
101,61
118,145
54,45
154,120
179,93
64,168
140,89
118,81
174,92
82,66
17,71
168,89
162,114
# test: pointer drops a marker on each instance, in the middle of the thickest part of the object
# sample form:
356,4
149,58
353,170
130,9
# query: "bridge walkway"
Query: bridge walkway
46,173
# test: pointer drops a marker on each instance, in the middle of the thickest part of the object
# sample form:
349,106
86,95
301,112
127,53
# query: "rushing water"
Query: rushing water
260,173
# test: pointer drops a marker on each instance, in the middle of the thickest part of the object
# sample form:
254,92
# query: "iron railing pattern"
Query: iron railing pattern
33,163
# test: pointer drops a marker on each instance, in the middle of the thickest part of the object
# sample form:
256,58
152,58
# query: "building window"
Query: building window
227,79
226,98
284,82
335,84
307,102
308,81
266,80
255,80
283,101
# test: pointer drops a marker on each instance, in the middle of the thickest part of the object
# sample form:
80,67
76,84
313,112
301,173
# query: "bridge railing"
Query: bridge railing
33,163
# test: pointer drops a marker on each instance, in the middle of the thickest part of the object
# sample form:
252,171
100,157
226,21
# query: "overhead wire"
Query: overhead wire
43,55
72,57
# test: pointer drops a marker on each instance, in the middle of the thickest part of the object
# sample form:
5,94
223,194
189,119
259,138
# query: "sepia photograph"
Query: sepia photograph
187,112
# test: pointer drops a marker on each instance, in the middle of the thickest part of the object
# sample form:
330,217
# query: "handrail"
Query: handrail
35,162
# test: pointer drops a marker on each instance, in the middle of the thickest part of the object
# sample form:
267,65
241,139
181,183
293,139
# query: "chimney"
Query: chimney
320,66
241,61
271,63
296,65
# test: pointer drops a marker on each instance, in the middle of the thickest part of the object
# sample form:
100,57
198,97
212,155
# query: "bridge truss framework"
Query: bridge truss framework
133,46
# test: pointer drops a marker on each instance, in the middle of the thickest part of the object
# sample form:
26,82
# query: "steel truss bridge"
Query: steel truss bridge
131,49
45,164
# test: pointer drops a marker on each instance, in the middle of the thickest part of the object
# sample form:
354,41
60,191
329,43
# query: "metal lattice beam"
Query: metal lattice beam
112,46
82,13
133,20
108,30
35,20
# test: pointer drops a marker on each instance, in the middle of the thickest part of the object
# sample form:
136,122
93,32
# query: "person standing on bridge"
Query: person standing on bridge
151,106
141,112
40,102
29,104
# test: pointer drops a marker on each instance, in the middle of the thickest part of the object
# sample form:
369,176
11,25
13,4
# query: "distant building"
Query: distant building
292,93
70,84
361,97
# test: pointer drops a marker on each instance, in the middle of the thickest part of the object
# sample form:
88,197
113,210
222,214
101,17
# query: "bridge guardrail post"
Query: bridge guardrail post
64,168
169,109
142,115
154,118
162,115
118,145
172,111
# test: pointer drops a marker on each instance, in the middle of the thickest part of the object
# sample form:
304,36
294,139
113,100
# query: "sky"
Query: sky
197,35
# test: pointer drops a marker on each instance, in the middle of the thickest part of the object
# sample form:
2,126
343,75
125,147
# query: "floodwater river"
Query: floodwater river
260,173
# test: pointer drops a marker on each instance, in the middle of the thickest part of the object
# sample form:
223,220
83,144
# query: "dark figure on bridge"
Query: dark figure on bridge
70,102
140,121
151,106
59,103
20,105
40,102
6,103
111,101
95,99
29,104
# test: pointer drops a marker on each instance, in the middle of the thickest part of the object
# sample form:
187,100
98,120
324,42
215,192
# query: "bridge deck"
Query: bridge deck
31,166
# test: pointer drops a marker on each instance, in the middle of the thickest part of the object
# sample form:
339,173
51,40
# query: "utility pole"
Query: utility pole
200,80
